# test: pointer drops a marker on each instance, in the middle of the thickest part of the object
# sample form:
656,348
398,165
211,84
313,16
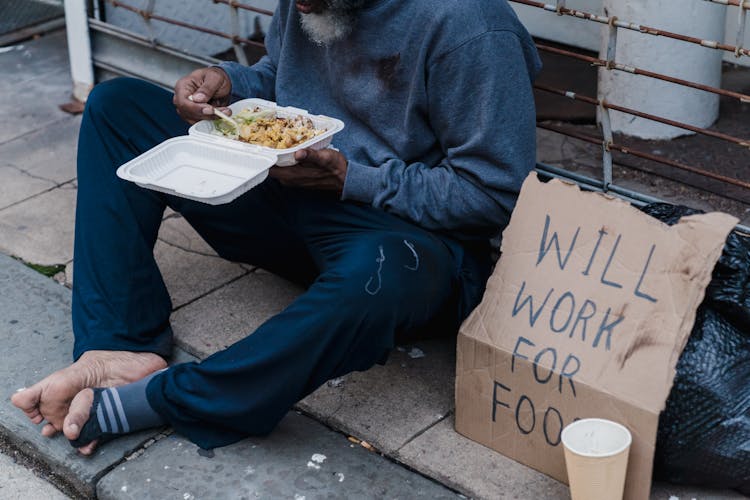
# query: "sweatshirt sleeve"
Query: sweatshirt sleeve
258,80
481,108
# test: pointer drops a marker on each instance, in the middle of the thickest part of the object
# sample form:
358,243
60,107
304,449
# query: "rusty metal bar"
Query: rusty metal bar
156,17
238,5
711,44
646,156
641,114
745,98
735,3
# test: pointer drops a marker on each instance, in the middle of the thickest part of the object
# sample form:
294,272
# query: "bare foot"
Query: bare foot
78,415
50,398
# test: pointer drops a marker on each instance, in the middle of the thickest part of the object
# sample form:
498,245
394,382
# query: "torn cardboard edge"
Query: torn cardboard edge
594,295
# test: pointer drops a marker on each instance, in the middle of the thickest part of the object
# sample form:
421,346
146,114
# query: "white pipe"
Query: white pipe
672,57
79,48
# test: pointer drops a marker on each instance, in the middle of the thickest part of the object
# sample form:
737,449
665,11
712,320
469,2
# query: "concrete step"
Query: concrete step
301,459
36,339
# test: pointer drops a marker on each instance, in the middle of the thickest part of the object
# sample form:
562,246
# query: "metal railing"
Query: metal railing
606,139
610,63
148,15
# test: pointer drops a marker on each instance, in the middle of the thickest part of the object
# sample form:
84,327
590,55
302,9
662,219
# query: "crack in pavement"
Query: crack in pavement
62,185
26,172
188,250
428,427
36,130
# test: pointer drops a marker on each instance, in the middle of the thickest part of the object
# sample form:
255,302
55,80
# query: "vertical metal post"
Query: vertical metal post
741,24
148,9
606,127
560,5
79,48
234,17
603,118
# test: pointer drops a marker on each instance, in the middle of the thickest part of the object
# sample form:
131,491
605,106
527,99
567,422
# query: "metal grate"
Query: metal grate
23,18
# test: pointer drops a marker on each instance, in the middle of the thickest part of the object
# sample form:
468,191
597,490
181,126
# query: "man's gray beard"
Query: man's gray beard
334,23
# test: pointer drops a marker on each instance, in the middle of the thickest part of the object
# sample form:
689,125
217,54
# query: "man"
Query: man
390,233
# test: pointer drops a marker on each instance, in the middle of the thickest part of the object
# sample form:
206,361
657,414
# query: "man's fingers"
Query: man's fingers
317,156
186,107
210,88
196,94
323,169
282,174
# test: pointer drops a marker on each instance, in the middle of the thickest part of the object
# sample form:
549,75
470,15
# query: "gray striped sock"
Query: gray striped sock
135,412
110,413
119,410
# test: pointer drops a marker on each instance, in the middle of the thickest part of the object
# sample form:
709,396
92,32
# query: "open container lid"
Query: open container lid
205,130
205,171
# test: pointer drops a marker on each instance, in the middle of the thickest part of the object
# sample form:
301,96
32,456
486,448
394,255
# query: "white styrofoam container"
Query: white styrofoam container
206,171
205,130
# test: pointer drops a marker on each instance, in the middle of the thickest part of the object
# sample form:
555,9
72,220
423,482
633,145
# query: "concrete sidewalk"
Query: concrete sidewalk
404,409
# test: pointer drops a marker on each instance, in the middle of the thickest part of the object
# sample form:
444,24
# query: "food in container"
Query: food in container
325,127
208,167
265,128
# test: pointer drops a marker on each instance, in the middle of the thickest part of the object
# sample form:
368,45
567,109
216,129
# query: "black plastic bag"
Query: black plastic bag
704,431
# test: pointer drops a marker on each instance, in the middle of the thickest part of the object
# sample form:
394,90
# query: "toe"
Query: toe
89,448
35,416
28,400
49,430
78,414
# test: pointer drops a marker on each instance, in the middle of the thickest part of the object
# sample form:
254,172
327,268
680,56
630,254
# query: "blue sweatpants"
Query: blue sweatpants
372,278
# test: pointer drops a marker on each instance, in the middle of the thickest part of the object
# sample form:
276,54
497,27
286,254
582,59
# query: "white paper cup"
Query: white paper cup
596,457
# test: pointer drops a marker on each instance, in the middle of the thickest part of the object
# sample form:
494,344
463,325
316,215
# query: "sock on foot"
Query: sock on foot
118,410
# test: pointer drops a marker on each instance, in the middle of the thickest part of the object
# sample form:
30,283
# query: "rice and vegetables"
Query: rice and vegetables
264,128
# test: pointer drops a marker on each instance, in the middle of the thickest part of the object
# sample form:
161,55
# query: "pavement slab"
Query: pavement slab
48,153
36,71
388,405
40,229
45,56
190,267
229,314
176,231
36,339
17,185
301,459
190,275
473,469
479,472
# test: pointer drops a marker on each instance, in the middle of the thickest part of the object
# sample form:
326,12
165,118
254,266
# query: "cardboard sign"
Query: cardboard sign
585,315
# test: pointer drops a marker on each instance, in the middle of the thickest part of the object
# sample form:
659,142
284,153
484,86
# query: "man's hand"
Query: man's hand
323,169
197,94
